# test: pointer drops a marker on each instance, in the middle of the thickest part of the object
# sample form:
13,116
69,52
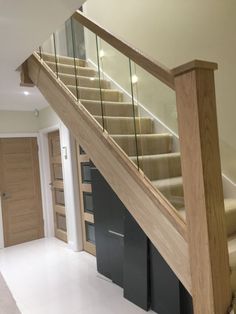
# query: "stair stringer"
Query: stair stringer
155,215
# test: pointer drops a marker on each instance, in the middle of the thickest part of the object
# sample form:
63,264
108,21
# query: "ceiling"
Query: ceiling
24,25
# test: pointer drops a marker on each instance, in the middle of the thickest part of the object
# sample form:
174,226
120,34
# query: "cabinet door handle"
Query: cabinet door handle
116,233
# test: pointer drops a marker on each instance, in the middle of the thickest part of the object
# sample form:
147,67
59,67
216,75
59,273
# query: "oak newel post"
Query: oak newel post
201,169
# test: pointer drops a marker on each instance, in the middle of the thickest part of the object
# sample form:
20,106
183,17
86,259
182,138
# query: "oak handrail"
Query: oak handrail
155,68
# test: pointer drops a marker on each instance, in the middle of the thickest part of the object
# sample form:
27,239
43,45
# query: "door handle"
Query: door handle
116,233
5,196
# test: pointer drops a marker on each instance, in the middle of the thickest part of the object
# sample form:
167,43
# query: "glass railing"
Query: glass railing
158,150
134,107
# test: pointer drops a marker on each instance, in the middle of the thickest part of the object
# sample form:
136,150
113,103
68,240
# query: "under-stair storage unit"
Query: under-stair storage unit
127,257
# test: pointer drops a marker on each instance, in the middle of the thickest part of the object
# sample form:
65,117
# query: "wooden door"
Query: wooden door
57,186
86,201
20,190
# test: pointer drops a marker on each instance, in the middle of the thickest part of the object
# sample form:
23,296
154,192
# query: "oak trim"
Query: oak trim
61,234
59,209
155,68
89,217
84,158
156,216
90,247
58,184
86,187
24,76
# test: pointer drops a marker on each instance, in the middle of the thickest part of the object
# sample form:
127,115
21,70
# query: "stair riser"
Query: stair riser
71,70
172,191
109,110
154,146
64,60
233,280
95,94
127,127
161,168
231,222
84,82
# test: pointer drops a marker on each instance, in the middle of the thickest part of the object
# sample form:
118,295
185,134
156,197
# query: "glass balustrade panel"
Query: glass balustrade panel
116,95
158,141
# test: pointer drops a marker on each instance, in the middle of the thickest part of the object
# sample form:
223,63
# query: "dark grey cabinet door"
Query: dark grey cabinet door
136,267
109,229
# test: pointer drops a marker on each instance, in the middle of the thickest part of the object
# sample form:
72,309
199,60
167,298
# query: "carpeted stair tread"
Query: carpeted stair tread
83,81
160,166
69,69
63,59
96,94
109,108
144,144
125,125
230,215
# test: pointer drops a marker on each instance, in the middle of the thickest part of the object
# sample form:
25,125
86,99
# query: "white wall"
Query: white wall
175,32
60,42
18,122
47,118
71,189
26,121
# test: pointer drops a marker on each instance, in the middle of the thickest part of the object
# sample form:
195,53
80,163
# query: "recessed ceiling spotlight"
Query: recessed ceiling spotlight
26,93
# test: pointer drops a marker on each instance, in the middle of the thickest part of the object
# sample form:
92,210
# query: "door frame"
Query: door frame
72,198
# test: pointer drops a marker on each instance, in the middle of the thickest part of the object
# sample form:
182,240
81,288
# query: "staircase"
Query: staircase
155,193
160,164
156,158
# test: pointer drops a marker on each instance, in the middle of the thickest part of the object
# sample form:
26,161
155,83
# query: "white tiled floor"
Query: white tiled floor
45,277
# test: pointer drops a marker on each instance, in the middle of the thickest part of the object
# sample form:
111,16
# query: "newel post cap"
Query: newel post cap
193,65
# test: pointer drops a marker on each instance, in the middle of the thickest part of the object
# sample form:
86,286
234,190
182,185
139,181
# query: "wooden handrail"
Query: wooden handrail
155,68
